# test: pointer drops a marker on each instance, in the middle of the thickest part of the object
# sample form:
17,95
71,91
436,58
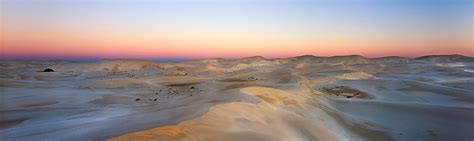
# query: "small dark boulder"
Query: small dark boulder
48,70
138,99
192,87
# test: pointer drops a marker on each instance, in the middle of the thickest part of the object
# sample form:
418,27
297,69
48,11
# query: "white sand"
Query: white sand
242,99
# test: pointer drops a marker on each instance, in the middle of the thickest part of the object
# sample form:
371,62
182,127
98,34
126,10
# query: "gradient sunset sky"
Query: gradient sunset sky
234,28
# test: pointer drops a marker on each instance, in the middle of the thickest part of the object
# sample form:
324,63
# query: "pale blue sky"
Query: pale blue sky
372,19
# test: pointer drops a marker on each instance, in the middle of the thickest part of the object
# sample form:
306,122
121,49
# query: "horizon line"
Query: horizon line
180,59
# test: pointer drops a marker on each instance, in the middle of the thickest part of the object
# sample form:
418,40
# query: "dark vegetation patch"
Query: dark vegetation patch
9,123
182,84
345,91
252,78
239,79
48,70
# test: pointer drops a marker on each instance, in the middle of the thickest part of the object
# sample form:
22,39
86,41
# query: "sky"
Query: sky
139,29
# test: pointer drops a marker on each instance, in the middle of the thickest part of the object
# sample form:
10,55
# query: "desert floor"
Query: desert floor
299,98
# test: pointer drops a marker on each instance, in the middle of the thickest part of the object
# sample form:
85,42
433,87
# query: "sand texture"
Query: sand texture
293,99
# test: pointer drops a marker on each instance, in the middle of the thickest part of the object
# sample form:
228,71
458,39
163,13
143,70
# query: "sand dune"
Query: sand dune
253,98
445,58
277,117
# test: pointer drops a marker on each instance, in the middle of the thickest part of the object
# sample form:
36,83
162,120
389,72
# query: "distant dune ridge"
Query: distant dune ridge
446,58
298,98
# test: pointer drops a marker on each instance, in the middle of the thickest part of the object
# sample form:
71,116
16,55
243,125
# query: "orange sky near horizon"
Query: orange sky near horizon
161,46
41,32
